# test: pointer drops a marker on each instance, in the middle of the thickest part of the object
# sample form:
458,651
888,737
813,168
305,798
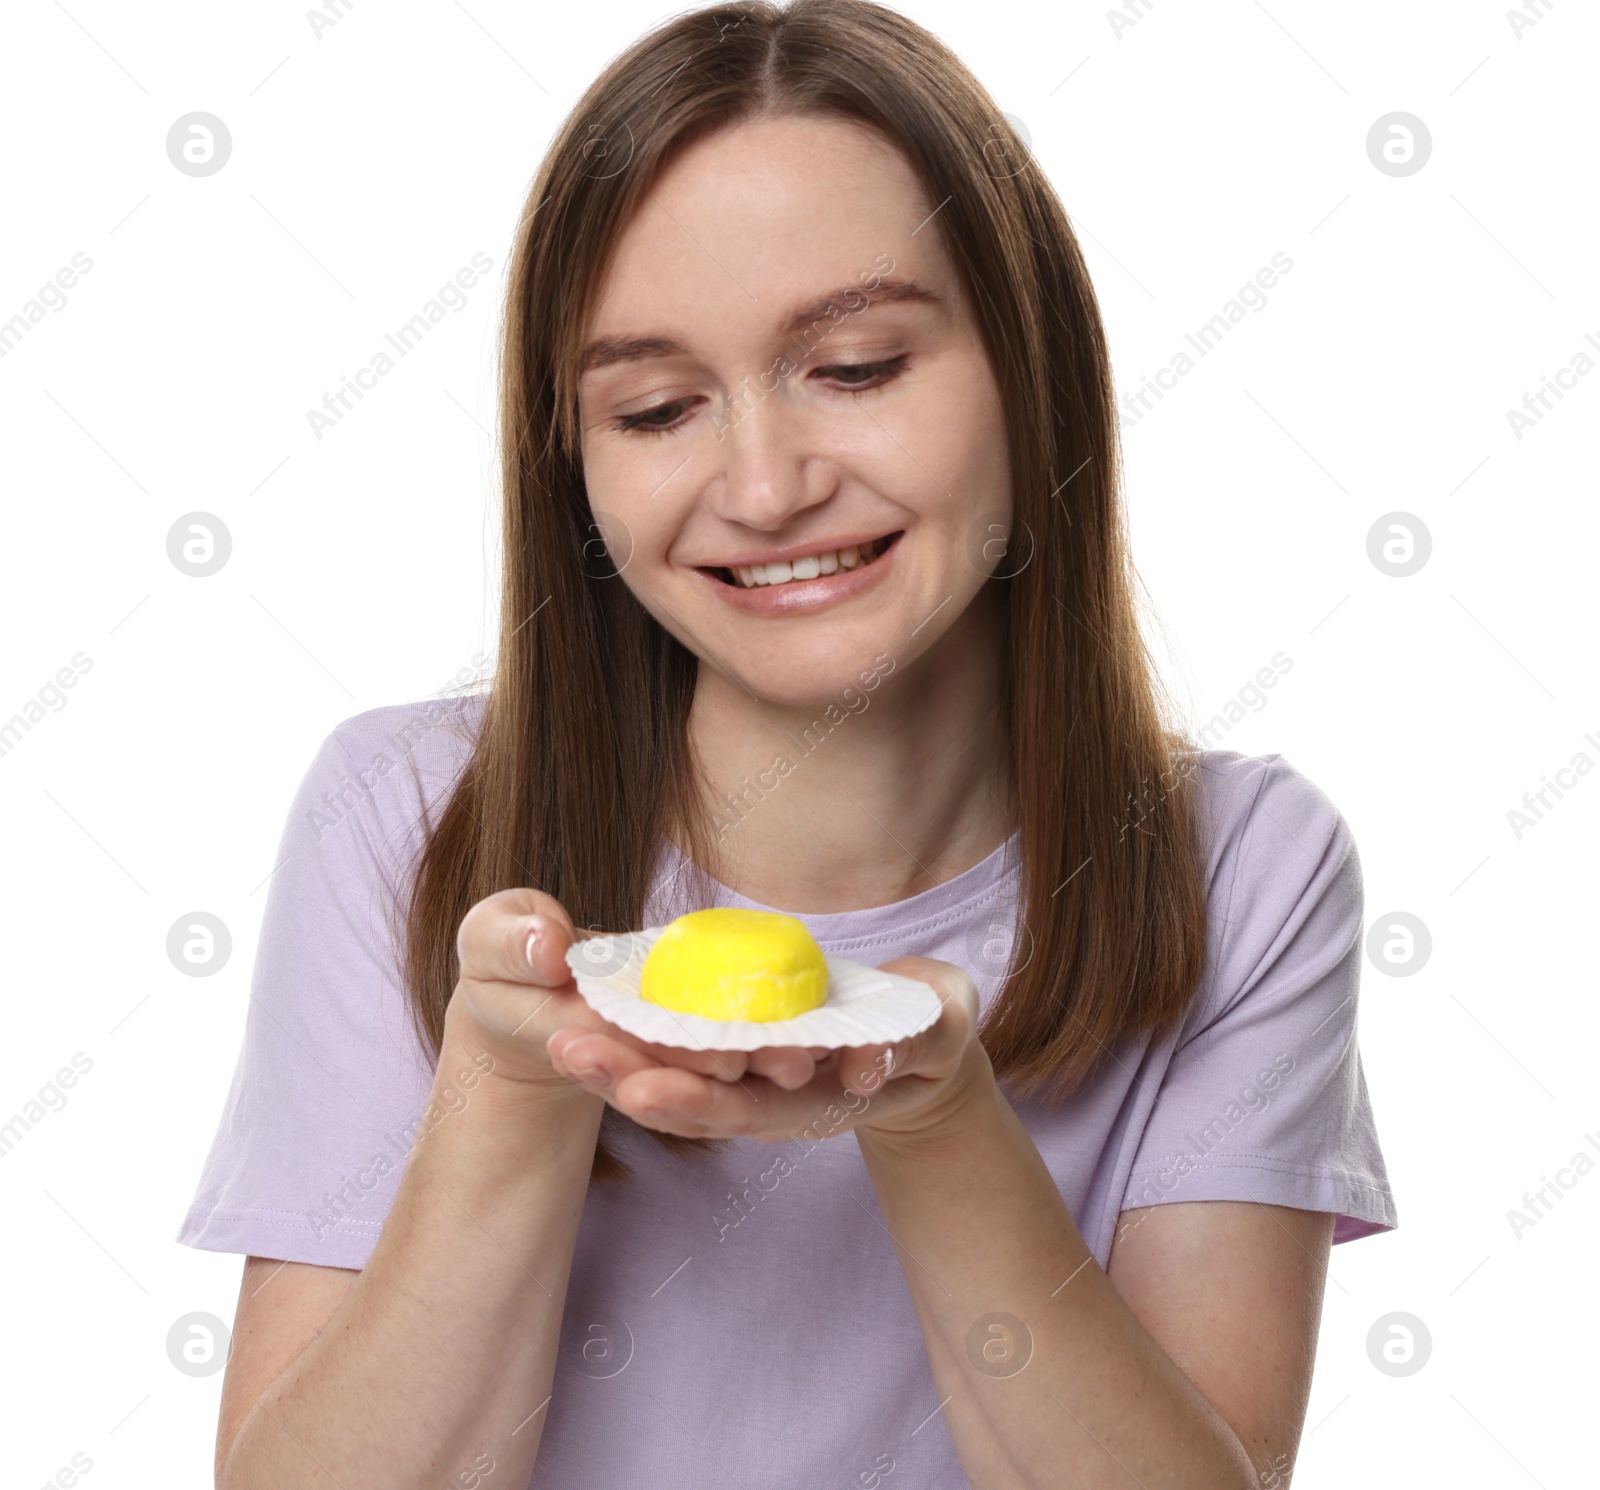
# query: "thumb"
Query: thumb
935,1051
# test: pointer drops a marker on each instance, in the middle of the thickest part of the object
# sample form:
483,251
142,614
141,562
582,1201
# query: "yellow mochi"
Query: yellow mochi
727,963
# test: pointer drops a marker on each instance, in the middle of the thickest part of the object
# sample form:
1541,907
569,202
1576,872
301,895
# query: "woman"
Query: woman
815,599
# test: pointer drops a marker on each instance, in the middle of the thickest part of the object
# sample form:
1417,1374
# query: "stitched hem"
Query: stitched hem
937,922
1258,1161
281,1234
1360,1204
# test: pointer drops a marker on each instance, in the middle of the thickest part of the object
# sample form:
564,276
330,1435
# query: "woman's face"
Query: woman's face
792,438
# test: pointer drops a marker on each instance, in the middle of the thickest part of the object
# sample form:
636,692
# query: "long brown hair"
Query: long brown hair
581,762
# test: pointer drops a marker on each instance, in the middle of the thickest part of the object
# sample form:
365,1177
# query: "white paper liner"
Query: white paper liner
865,1006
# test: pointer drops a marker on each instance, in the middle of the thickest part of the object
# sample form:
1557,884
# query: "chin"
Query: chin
844,681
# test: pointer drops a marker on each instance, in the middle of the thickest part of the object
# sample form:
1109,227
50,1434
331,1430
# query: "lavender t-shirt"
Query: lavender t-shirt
736,1320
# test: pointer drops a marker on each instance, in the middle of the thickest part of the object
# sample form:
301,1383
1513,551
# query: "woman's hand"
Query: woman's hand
516,993
912,1086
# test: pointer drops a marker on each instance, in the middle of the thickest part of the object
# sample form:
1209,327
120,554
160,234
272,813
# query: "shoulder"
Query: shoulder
426,735
377,781
1262,811
1283,874
404,756
331,924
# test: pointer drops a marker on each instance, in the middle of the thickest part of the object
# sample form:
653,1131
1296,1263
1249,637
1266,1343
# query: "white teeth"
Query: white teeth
811,566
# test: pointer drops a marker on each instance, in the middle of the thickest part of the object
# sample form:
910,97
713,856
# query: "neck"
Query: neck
887,789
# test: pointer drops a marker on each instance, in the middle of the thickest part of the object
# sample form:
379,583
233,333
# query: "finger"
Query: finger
934,1051
516,936
557,1044
602,1066
945,979
943,1040
673,1100
721,1065
676,1101
867,1068
593,1058
788,1066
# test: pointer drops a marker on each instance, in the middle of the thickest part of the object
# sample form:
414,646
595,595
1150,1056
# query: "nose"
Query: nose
770,472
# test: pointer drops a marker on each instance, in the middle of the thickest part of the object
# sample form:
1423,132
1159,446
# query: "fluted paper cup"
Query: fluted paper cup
865,1006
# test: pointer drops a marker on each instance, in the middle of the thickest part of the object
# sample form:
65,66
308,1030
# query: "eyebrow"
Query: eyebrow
604,351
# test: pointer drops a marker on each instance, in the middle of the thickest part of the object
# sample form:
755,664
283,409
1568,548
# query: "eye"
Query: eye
645,423
859,376
852,377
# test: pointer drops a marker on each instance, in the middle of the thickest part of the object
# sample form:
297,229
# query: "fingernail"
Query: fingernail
537,926
592,1075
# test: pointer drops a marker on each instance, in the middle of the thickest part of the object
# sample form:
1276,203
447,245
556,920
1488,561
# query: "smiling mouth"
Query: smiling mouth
808,566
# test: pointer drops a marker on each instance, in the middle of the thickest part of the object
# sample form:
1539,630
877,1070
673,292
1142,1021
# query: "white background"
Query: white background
372,163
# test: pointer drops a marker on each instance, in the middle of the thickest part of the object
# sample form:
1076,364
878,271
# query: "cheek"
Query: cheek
963,431
633,511
965,446
987,448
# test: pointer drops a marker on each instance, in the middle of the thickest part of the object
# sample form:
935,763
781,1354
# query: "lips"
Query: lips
737,584
799,568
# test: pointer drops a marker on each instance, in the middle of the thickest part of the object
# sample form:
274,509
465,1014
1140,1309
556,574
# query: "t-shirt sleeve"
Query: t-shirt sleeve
331,1080
1264,1097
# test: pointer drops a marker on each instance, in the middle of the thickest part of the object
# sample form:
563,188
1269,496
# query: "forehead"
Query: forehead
758,215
